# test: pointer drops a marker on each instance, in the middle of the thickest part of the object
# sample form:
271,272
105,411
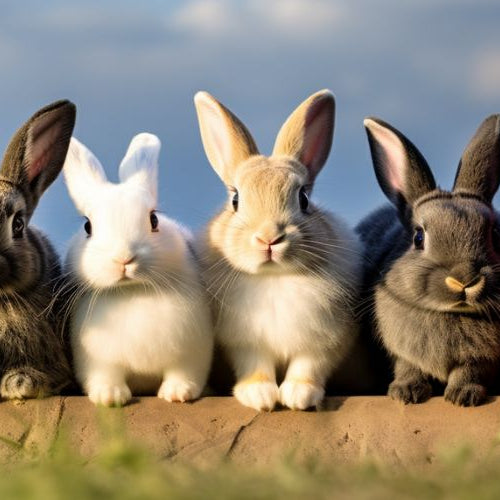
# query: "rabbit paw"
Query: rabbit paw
466,395
300,395
258,395
416,391
22,384
179,390
110,395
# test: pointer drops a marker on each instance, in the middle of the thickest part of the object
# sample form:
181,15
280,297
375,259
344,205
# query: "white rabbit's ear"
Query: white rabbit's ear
82,172
140,164
308,132
226,140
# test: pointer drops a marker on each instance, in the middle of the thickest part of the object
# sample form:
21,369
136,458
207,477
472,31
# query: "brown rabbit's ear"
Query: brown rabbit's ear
479,168
226,140
401,170
36,153
307,134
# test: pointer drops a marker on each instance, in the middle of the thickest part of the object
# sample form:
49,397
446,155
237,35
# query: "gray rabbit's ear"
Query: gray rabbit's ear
479,168
307,134
401,170
226,140
36,153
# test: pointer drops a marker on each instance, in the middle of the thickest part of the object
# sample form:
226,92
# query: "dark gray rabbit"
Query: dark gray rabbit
32,359
435,262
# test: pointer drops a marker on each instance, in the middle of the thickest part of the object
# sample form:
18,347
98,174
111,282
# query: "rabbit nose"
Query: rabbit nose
474,288
454,285
266,242
124,261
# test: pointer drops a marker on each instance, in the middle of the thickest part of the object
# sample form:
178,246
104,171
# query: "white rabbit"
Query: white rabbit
283,275
139,318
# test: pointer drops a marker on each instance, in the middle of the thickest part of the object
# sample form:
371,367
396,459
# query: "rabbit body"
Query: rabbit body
33,362
140,322
283,275
433,263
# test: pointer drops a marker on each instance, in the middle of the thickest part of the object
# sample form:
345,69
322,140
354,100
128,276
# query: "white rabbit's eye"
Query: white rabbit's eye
154,222
419,238
17,226
87,226
235,201
303,199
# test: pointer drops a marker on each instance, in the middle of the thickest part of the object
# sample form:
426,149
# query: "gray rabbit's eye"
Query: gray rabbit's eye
154,222
235,201
303,199
17,226
419,238
87,226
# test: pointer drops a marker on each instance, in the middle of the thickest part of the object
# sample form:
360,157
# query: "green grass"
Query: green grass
124,471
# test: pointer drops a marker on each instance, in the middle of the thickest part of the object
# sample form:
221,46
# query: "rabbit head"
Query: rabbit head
33,159
453,259
123,240
269,224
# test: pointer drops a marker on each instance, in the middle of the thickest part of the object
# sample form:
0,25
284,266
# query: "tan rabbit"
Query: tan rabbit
282,274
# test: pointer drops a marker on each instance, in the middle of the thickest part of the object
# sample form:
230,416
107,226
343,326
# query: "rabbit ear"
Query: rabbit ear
226,140
83,173
479,168
37,151
401,170
140,164
308,132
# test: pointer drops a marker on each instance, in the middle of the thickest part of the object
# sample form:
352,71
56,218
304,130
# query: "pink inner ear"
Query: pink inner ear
392,154
39,149
317,138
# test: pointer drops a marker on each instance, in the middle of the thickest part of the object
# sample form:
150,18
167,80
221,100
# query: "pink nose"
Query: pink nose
125,262
267,242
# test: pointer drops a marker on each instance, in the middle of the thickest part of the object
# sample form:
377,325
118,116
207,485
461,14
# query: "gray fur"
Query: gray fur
32,358
430,330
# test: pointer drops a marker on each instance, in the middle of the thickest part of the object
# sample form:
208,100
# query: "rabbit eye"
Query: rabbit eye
419,238
303,199
154,222
17,226
87,226
235,201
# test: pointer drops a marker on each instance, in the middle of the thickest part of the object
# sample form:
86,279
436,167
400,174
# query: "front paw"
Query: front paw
179,390
257,395
466,395
416,391
110,394
23,384
300,395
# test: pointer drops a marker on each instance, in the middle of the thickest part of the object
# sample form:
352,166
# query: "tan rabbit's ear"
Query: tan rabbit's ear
226,140
308,132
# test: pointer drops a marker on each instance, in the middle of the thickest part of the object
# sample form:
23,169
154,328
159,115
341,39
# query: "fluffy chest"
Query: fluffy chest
140,330
283,313
435,342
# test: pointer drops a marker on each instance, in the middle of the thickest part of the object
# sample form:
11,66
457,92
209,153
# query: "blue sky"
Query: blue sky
429,67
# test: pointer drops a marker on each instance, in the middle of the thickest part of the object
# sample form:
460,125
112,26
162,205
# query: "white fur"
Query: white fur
137,325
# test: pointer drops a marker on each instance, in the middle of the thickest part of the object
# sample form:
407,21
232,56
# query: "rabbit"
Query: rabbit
435,258
33,363
139,321
282,274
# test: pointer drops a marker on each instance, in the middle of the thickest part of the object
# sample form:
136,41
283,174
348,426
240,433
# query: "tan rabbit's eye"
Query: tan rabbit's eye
154,222
17,226
235,201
